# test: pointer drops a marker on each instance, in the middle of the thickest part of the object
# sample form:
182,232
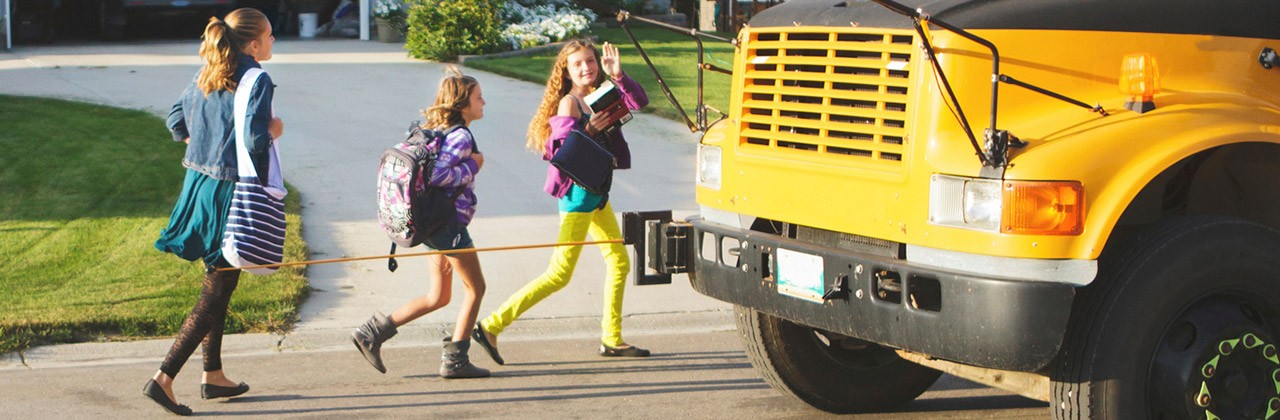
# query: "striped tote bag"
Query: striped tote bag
255,226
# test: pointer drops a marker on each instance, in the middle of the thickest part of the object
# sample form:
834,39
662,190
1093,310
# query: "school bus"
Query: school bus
1075,200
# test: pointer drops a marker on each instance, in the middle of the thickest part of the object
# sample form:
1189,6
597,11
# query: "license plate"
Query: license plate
800,275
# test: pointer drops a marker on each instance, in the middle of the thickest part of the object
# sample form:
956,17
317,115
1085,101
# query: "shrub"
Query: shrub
444,29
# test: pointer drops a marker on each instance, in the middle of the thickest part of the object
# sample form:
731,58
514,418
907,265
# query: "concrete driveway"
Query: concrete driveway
343,102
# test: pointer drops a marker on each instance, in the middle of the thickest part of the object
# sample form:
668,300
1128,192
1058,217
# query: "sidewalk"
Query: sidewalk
415,334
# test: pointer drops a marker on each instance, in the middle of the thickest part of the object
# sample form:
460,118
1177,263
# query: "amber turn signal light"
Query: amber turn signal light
1043,208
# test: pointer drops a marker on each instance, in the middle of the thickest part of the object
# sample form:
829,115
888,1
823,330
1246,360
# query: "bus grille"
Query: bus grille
840,96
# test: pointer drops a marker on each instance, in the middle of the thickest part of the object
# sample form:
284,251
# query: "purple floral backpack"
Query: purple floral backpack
409,209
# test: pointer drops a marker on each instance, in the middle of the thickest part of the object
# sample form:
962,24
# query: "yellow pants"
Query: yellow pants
574,227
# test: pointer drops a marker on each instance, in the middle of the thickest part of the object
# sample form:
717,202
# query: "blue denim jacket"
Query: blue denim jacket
209,122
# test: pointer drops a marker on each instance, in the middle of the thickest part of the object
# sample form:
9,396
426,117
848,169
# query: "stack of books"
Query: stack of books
608,100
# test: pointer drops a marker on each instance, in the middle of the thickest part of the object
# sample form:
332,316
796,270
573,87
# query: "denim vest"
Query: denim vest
209,122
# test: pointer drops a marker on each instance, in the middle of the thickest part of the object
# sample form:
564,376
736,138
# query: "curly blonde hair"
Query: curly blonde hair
558,85
222,41
454,96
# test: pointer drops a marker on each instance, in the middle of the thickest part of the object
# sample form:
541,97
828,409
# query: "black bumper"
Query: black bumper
996,323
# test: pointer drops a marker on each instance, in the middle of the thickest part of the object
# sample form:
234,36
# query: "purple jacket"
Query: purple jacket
455,169
557,183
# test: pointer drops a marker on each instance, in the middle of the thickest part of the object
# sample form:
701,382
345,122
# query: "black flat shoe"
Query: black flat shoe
629,351
153,391
209,391
477,335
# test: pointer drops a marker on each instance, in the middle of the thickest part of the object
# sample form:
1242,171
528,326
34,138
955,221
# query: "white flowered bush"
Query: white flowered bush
388,9
531,23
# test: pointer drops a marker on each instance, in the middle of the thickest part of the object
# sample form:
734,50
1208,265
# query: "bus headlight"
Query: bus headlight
965,202
709,166
1013,207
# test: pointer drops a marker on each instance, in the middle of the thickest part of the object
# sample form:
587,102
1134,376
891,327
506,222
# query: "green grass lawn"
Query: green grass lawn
84,192
674,55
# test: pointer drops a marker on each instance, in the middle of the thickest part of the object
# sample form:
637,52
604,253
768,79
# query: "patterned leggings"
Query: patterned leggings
204,324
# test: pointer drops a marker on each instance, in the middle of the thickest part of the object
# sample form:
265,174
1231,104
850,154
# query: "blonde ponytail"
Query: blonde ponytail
221,42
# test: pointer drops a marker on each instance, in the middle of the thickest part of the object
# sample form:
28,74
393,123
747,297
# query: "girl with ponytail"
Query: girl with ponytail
458,103
203,119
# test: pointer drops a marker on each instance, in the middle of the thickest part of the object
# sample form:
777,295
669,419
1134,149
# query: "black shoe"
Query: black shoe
478,336
153,391
629,351
209,391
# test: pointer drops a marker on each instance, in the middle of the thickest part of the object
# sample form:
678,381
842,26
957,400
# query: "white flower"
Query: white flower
387,8
537,22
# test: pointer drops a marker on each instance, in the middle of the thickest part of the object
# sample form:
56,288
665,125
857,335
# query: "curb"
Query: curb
339,339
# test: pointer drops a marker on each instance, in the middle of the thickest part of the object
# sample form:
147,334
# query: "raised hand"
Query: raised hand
609,61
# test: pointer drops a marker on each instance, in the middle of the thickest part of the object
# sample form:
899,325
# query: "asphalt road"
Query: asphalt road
691,375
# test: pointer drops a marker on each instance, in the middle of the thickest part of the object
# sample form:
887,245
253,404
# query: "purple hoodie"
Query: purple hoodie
455,169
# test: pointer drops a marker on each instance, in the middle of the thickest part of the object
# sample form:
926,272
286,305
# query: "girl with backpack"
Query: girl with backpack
578,70
203,118
458,103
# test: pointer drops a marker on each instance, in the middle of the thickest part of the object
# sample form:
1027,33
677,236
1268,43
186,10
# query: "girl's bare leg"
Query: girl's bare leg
468,267
441,282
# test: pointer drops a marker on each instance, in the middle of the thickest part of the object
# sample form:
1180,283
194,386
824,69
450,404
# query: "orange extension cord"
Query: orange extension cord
420,254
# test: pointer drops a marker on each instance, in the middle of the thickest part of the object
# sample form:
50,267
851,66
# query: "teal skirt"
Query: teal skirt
198,219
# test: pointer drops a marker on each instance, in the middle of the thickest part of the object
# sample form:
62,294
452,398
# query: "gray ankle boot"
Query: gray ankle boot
454,362
369,337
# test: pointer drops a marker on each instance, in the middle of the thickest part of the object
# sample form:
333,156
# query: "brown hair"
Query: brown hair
558,85
222,41
454,96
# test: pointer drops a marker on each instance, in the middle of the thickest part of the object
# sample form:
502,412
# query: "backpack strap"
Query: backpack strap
391,262
414,126
415,129
273,180
247,82
474,147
